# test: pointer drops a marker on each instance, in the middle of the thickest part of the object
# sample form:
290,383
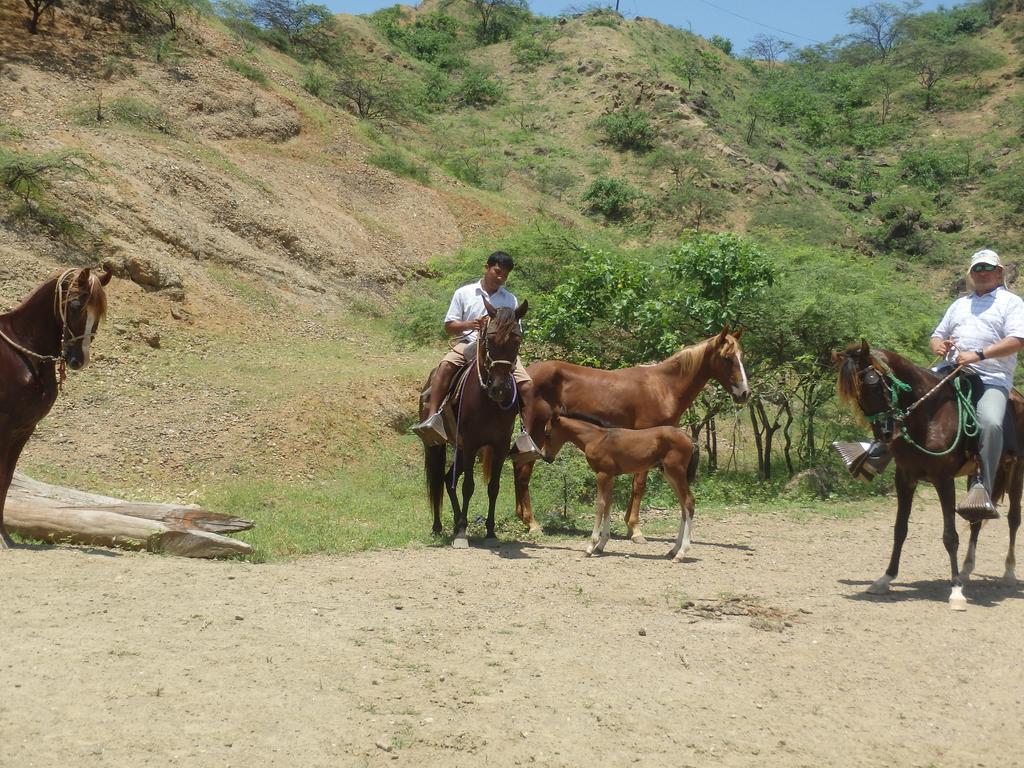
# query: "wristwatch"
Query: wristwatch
980,353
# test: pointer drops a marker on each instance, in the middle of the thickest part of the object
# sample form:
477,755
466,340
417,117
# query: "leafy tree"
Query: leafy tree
172,10
697,205
373,89
498,18
768,49
881,26
36,8
684,165
933,64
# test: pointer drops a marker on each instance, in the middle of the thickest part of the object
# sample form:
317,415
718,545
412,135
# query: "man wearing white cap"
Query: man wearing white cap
984,330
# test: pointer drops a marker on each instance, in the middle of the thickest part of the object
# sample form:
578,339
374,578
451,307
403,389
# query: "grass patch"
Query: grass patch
398,162
247,70
255,295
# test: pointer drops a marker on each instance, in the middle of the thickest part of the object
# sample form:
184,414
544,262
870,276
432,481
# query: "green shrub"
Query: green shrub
723,44
247,70
931,169
27,175
398,162
613,198
628,128
318,82
479,88
533,48
125,110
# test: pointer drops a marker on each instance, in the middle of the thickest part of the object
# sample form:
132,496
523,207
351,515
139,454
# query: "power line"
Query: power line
758,23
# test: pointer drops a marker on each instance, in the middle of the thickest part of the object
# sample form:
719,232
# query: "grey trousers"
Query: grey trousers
991,409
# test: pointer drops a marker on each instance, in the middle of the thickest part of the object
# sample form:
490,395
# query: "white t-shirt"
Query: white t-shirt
974,322
468,304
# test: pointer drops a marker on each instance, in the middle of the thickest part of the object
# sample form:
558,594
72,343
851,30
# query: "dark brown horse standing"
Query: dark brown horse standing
632,398
927,443
485,415
54,326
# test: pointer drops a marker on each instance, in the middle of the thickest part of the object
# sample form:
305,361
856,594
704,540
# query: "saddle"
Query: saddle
444,420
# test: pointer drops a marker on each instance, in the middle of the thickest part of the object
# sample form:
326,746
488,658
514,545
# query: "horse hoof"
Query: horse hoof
679,558
638,538
880,587
492,541
1010,578
460,542
673,552
958,603
536,529
589,552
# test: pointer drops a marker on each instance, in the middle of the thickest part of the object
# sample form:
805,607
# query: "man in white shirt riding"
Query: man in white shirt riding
464,319
984,330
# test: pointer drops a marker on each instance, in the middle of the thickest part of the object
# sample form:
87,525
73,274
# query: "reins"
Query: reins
60,306
967,418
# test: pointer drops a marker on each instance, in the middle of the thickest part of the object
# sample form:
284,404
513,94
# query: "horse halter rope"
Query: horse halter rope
967,421
61,299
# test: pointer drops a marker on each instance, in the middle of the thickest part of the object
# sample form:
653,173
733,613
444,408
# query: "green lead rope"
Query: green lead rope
967,417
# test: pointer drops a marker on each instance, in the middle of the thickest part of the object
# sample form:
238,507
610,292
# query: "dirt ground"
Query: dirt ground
762,648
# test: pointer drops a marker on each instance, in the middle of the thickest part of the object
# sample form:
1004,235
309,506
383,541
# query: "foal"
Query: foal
611,451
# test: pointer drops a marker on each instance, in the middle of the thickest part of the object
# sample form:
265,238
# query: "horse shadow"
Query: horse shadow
994,591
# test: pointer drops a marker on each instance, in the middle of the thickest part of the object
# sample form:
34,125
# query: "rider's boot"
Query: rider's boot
525,450
977,504
432,430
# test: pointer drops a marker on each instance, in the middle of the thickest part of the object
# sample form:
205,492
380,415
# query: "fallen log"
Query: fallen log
58,514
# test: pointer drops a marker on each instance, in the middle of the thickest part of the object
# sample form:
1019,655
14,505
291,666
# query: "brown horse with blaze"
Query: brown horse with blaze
49,330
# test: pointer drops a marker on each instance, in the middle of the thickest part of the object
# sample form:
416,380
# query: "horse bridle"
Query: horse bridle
61,300
894,415
485,363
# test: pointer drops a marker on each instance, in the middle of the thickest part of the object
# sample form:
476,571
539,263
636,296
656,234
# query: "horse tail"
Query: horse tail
433,465
485,459
691,468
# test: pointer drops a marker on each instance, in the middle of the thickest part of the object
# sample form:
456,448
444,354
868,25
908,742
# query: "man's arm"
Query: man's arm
459,327
1002,348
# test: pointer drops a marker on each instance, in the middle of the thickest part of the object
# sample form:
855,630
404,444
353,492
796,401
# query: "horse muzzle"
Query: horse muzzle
740,395
76,358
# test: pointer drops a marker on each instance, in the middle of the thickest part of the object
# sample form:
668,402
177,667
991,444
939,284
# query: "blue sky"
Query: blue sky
802,22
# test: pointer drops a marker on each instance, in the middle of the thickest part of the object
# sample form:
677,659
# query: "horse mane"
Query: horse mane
691,358
885,362
97,296
505,324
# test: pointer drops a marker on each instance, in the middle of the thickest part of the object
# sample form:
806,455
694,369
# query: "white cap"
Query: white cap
986,256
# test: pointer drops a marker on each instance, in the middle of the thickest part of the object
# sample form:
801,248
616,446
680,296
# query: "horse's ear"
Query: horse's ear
83,279
739,331
491,311
521,309
724,333
105,277
865,350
